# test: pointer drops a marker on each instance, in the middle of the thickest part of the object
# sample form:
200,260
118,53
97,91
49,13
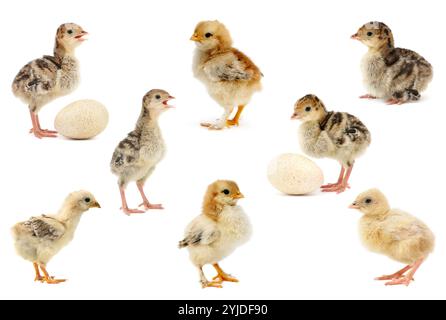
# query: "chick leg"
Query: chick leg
38,275
396,275
37,131
234,121
147,205
207,284
367,96
48,279
343,185
125,207
341,177
405,280
223,276
44,130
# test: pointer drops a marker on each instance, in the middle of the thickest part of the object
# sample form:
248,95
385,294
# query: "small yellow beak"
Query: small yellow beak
96,205
239,196
195,38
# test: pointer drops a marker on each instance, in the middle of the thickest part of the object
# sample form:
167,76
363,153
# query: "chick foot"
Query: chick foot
368,96
394,101
225,278
232,123
340,188
128,211
333,185
51,280
404,280
40,133
212,284
212,126
396,275
149,206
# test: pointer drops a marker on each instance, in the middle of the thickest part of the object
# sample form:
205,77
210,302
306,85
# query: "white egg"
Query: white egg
83,119
295,174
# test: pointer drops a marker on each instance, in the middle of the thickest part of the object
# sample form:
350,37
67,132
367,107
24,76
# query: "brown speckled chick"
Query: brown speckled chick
45,79
137,155
336,135
394,233
398,75
229,75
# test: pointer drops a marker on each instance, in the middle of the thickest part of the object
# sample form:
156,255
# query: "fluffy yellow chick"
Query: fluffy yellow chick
40,238
218,231
230,76
394,233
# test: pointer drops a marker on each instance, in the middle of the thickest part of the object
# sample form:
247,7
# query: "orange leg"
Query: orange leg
396,275
223,276
235,120
38,275
48,279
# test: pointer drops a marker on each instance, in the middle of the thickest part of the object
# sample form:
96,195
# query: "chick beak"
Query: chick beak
81,35
354,205
166,102
96,205
238,196
355,36
195,38
295,116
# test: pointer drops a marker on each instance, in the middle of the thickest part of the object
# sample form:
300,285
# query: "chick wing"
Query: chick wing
45,228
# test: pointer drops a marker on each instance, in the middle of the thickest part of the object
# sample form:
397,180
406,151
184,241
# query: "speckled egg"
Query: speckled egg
295,174
83,119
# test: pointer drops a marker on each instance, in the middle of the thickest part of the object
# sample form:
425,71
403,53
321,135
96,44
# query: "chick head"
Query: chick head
209,35
70,35
375,35
309,108
81,201
223,192
156,101
371,202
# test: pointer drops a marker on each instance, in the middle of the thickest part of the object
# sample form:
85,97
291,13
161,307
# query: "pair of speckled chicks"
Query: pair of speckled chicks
395,74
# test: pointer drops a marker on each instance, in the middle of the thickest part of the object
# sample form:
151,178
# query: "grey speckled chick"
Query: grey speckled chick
137,155
336,135
45,79
395,74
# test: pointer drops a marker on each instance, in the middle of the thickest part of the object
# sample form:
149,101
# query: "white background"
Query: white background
303,247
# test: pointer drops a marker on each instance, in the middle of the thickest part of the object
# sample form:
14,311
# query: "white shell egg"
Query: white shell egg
82,119
295,174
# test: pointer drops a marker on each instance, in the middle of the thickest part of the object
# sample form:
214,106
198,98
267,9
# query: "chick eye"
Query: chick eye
369,34
70,31
308,109
87,200
208,35
368,201
158,97
226,191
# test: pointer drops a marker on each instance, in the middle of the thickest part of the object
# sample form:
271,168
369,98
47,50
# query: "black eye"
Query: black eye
158,97
208,35
87,200
368,201
308,109
226,191
369,34
70,31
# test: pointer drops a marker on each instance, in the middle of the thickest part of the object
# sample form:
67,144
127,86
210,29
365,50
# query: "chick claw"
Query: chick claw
149,206
129,212
211,126
338,188
51,280
394,101
43,133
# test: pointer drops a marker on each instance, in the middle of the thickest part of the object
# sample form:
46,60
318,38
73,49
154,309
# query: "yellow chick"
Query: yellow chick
218,231
394,233
230,76
40,238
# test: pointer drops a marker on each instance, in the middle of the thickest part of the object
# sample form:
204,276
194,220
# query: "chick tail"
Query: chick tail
183,244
